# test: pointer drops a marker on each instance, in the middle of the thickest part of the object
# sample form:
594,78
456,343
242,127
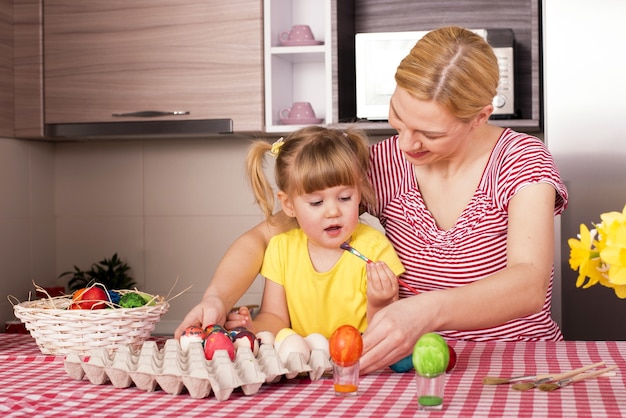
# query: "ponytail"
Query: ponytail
261,186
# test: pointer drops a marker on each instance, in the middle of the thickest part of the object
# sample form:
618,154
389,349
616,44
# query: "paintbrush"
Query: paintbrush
352,250
535,383
495,380
549,387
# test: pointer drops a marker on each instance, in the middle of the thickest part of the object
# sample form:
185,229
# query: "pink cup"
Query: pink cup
299,110
298,33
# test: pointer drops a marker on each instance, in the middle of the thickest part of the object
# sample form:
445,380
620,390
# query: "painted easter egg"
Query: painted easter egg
345,345
218,341
189,335
430,355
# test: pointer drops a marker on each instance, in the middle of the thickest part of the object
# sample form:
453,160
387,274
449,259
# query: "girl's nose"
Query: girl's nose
332,209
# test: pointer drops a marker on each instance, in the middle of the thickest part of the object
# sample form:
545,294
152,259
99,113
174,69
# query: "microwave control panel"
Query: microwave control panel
502,41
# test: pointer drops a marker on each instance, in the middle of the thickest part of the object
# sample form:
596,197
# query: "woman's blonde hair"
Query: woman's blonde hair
454,67
311,159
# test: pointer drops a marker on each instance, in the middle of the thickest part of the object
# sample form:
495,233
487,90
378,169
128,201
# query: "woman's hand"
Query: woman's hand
209,311
391,334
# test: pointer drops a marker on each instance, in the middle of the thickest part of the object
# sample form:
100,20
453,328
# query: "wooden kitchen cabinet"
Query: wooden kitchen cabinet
6,70
201,59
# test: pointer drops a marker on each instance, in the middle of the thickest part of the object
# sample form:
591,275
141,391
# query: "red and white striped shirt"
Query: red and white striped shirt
476,246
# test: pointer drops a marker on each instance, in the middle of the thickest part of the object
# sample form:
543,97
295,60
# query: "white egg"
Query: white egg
317,341
265,337
294,343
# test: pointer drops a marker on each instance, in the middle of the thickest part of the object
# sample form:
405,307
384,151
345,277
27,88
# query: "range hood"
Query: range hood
137,129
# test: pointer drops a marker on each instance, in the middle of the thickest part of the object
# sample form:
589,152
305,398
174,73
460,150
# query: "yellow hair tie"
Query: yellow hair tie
276,146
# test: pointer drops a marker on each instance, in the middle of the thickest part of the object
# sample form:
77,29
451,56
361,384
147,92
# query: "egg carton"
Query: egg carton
173,369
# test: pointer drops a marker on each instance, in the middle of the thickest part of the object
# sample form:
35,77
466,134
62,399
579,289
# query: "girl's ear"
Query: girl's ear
286,203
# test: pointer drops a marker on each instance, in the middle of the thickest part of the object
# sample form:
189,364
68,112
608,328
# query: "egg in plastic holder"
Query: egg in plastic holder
172,369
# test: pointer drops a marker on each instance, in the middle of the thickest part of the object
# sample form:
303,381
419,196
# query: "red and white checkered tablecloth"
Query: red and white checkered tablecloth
36,385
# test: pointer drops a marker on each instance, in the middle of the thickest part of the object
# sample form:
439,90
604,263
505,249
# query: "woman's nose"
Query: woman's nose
408,141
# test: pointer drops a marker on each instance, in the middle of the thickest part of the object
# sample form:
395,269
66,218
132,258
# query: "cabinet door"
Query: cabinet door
110,57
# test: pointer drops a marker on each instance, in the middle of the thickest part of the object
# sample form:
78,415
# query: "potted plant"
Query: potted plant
110,272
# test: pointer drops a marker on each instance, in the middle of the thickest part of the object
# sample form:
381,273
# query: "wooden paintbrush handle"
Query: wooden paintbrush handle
575,372
595,373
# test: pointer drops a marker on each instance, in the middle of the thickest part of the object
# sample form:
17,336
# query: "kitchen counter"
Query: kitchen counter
35,385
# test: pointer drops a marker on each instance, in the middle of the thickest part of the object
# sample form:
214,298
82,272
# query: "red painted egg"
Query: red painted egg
345,345
245,338
218,341
89,298
452,361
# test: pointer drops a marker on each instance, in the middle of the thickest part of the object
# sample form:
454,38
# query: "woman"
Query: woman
468,206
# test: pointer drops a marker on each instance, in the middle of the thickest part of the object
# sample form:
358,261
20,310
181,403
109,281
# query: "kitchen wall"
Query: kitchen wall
169,208
27,222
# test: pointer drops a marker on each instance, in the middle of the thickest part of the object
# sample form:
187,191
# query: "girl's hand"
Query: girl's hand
239,318
382,285
209,311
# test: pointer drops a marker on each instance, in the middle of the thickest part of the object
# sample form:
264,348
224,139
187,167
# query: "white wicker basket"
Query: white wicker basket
59,331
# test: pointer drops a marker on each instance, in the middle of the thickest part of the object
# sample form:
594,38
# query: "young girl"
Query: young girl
311,284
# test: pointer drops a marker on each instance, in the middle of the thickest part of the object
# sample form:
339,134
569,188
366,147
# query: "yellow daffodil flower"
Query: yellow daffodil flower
580,249
610,217
600,254
582,258
614,251
620,290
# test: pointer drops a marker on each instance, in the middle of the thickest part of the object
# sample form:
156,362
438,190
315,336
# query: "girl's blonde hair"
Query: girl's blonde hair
311,159
454,67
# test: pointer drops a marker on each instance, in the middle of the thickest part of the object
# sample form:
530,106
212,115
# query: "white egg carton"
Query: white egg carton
173,369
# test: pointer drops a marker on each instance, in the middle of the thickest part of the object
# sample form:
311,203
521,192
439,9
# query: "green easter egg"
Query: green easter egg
430,355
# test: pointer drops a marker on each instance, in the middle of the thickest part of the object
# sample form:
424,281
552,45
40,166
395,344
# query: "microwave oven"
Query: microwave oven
378,55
